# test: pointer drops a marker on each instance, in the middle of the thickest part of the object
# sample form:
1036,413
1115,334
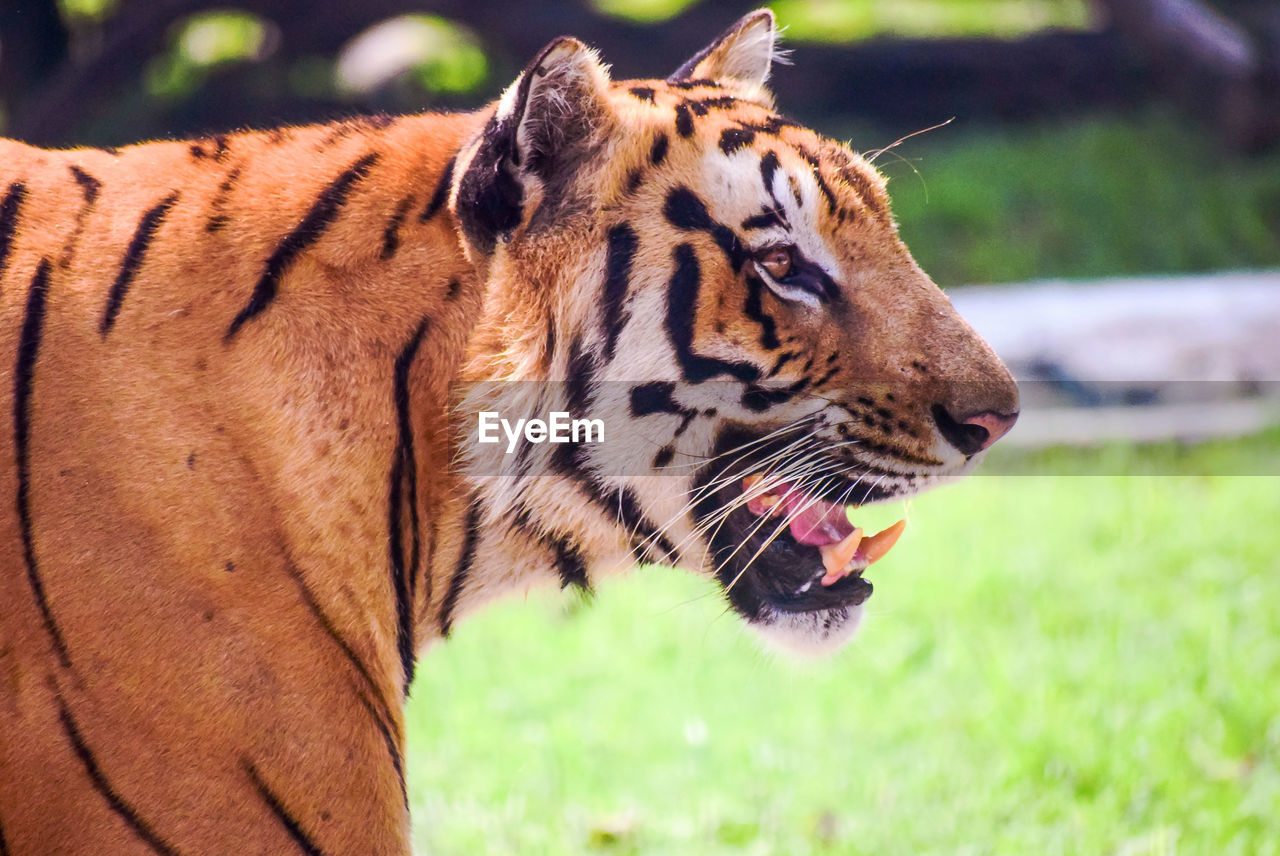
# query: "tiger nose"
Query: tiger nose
972,434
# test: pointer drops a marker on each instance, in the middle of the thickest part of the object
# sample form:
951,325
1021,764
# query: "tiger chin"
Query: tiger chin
245,373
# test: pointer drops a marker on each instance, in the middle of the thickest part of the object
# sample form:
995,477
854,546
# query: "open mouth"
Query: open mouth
780,548
845,548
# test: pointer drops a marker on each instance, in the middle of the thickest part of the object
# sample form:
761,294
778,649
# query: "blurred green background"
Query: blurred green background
1054,664
1078,149
1051,664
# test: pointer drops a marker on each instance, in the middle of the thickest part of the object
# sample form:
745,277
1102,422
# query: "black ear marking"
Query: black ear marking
490,199
541,133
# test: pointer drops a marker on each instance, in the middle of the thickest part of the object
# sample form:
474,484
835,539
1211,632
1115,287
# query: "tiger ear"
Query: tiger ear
546,122
743,55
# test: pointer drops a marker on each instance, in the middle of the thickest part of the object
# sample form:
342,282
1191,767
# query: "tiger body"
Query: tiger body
209,641
239,512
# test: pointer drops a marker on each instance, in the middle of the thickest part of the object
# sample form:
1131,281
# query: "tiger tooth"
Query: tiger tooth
769,500
875,547
835,557
751,481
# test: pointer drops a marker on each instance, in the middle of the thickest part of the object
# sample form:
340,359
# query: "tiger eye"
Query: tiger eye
777,262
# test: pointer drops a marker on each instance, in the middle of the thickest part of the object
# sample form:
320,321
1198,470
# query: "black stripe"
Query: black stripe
571,459
676,83
863,188
686,211
783,358
330,629
644,93
732,139
684,120
391,235
682,310
288,821
753,307
133,257
219,148
471,533
570,566
656,396
622,247
219,218
816,166
580,378
23,377
619,504
759,399
635,178
659,397
393,746
658,153
568,561
323,212
404,491
626,508
718,102
765,219
9,209
102,785
88,184
822,381
771,126
90,187
441,194
768,168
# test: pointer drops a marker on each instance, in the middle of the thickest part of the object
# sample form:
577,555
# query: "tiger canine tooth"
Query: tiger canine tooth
836,556
875,547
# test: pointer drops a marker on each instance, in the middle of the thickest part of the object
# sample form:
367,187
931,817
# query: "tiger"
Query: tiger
247,372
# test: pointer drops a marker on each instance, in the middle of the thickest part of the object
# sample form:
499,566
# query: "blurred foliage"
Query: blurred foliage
86,10
438,55
848,20
642,10
453,61
977,203
204,42
1095,197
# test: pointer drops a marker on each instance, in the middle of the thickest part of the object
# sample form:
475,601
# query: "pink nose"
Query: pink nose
992,426
973,433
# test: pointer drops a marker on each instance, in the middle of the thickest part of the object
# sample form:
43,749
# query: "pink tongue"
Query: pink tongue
820,522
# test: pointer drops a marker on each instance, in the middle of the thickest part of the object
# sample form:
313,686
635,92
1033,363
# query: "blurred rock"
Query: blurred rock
1185,357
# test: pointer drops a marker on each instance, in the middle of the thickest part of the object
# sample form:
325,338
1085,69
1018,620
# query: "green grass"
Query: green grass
1085,198
1052,665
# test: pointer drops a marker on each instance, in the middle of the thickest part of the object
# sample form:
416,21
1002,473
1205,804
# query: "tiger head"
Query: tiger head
726,291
